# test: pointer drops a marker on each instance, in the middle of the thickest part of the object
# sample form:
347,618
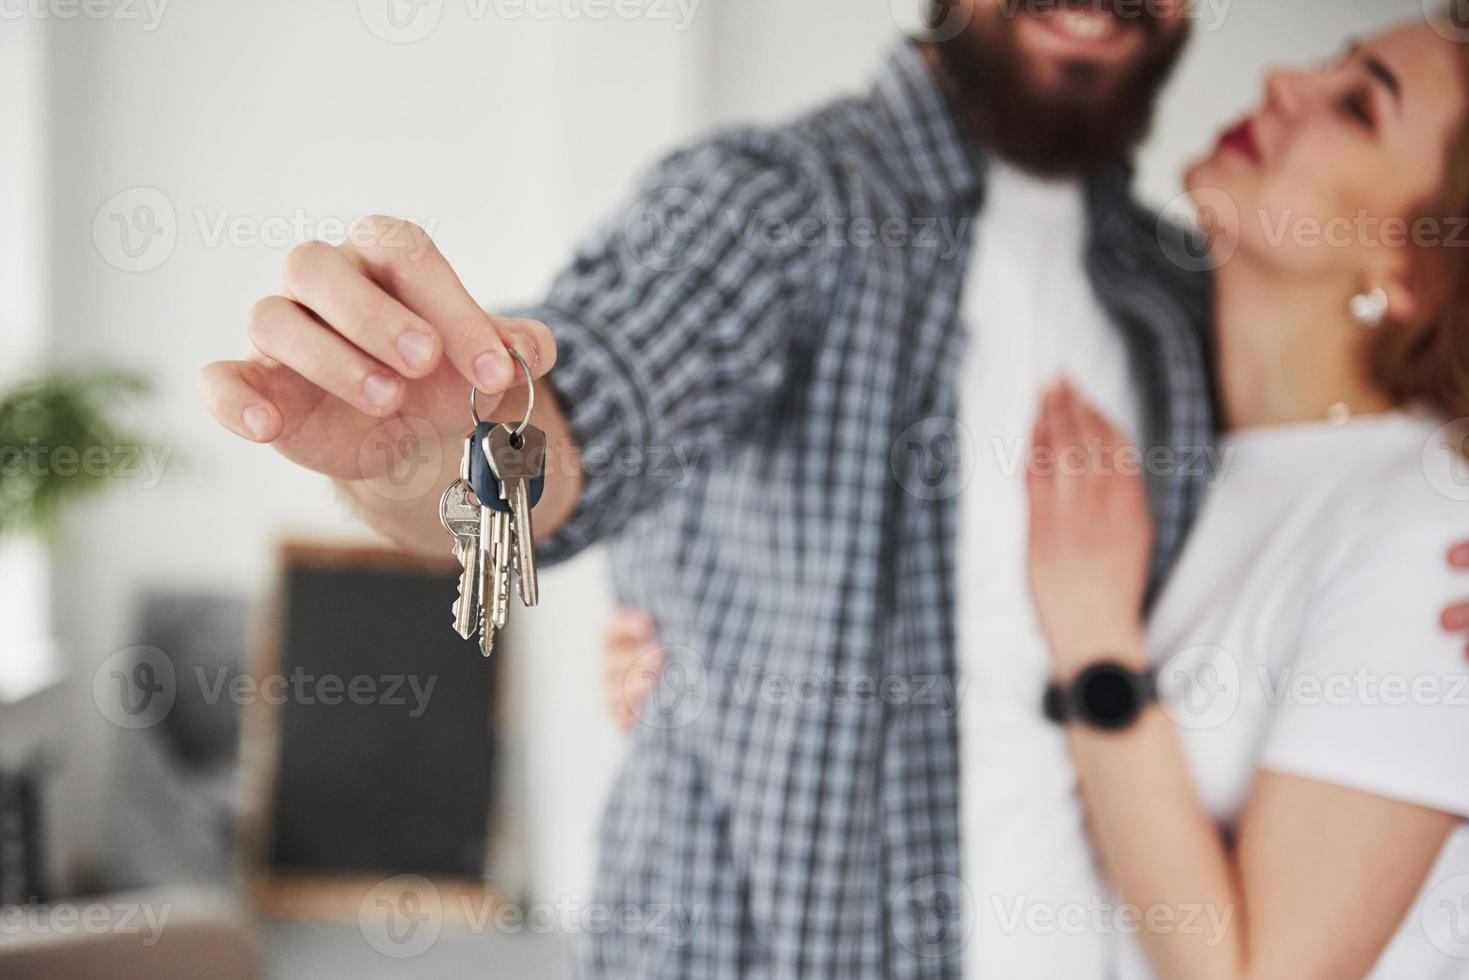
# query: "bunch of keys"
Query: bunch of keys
488,513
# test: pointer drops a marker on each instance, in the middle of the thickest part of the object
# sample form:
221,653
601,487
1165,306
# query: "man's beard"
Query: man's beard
1060,133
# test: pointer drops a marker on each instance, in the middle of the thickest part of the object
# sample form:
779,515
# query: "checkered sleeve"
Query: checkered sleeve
678,321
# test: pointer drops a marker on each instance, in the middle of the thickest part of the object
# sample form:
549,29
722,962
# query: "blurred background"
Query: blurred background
159,160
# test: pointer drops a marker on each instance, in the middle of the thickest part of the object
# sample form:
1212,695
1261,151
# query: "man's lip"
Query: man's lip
1084,32
1241,139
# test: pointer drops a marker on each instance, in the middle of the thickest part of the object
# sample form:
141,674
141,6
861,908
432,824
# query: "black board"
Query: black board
392,776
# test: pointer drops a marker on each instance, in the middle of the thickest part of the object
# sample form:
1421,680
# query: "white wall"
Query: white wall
24,196
504,136
507,136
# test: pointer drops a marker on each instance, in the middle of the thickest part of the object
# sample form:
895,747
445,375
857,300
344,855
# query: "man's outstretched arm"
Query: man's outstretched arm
676,327
372,347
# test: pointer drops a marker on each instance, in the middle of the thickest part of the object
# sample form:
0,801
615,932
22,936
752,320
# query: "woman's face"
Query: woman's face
1325,178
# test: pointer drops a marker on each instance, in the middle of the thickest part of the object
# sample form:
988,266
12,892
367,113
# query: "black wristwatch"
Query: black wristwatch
1106,695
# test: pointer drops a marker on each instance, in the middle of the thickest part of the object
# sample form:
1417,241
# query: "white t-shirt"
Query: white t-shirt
1300,633
1032,315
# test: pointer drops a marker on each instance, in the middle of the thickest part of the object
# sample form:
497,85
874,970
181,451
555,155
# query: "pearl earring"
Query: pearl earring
1370,308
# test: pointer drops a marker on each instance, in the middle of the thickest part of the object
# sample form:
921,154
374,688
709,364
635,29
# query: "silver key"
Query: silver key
459,513
517,460
494,582
497,600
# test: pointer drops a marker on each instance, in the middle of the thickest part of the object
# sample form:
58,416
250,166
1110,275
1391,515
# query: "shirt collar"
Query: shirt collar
935,158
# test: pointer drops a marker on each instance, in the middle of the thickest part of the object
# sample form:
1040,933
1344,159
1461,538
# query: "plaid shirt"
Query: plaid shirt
759,360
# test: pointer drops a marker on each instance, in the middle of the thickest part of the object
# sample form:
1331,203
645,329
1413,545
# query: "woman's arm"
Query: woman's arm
1320,875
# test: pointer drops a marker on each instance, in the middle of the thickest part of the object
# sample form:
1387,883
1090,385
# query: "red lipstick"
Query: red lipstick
1241,140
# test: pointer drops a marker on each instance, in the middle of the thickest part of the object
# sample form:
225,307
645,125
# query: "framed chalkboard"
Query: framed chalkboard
370,732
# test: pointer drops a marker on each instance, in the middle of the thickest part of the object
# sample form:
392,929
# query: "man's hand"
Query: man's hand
374,337
630,664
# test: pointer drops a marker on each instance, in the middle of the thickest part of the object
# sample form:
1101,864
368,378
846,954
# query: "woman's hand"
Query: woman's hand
1090,533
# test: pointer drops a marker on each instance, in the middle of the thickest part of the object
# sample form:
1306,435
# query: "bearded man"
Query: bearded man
848,321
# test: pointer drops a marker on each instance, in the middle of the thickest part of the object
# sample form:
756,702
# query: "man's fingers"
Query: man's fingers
326,281
531,338
283,331
1459,555
231,399
402,258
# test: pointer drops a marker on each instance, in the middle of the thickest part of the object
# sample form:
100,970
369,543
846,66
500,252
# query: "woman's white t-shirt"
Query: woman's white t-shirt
1300,633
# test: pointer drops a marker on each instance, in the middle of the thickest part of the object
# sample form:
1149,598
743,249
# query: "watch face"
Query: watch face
1108,697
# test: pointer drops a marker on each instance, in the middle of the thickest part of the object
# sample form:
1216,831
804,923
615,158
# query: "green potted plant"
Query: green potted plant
57,438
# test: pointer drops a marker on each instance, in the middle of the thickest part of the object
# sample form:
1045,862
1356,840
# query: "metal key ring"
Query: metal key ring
530,404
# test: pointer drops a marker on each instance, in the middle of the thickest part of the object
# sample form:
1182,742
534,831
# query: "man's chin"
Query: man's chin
1058,105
